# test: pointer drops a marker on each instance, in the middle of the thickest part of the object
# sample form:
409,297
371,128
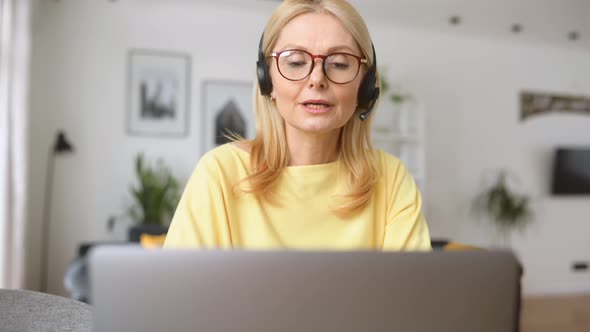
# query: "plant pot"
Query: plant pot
151,229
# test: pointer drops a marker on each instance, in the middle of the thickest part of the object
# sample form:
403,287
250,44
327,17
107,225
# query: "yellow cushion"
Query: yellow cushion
459,246
152,241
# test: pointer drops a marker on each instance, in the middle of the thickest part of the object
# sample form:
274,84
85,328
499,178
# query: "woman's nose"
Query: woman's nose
317,78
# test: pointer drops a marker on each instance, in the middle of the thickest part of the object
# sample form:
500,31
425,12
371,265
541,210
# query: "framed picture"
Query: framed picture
227,109
158,93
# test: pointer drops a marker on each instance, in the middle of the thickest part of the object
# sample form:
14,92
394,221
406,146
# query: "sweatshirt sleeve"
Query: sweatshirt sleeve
200,220
406,228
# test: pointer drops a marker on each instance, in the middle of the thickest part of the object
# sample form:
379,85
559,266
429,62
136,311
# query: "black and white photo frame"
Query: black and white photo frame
227,110
158,93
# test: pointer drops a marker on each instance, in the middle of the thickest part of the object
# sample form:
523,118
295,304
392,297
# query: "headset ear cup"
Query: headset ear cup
368,92
262,72
263,78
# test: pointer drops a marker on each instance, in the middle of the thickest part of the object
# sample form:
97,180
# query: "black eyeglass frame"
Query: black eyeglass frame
360,60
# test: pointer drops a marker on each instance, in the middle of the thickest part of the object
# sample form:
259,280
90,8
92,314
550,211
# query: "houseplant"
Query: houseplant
506,209
156,195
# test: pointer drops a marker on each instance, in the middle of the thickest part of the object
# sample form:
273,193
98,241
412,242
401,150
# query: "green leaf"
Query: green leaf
156,195
505,208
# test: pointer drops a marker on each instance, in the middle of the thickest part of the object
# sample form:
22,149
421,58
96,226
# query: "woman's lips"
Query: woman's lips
317,107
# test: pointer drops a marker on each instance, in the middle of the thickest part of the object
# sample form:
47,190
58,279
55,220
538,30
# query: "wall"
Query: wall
468,86
470,89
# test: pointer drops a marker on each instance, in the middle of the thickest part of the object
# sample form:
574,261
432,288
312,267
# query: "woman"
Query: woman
310,179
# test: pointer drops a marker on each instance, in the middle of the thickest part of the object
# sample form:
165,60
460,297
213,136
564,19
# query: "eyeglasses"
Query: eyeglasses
339,68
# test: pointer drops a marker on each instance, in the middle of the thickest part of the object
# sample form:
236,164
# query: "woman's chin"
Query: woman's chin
318,126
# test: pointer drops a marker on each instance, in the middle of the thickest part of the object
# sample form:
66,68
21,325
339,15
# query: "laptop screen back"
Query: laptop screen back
190,290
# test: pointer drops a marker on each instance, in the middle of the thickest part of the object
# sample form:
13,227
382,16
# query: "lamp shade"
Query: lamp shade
62,145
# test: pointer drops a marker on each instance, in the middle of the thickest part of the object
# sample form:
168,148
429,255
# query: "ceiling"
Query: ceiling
541,21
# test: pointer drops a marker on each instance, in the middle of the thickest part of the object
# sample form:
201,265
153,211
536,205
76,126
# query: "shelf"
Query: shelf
400,132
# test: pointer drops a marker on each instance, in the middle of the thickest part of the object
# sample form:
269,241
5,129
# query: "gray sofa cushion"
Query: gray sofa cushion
22,310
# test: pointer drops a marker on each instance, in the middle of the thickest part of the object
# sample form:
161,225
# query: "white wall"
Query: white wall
79,84
469,88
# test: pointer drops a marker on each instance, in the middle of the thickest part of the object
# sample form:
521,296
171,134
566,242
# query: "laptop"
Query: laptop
133,289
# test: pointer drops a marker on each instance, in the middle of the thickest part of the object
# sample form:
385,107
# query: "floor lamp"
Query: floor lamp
61,146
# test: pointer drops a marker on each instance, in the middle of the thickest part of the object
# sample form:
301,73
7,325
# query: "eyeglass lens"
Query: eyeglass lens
338,67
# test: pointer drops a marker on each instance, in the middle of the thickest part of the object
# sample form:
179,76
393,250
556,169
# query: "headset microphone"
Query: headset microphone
364,115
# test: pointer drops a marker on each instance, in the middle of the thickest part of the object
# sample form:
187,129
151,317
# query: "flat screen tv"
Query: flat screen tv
571,171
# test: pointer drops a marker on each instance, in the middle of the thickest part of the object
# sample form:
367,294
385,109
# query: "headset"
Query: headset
368,91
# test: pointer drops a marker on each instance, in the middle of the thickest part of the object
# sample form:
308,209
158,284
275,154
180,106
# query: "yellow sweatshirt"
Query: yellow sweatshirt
212,214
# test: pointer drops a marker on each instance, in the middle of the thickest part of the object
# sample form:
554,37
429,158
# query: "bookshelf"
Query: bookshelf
398,128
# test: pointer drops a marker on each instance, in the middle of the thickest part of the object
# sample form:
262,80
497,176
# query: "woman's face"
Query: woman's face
315,104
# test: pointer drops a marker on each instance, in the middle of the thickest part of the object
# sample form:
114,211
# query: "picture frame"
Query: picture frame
533,103
158,93
227,108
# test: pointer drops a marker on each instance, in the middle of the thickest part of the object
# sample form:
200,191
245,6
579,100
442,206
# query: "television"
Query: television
571,171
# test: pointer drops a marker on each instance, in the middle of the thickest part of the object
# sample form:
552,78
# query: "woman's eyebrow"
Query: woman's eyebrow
337,48
341,48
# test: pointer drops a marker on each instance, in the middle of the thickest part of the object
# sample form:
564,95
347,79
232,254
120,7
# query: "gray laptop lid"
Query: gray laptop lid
190,290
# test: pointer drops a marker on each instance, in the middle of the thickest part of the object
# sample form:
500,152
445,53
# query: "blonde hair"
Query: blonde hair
268,150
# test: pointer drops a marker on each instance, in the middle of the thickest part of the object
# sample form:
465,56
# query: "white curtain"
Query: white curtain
15,44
